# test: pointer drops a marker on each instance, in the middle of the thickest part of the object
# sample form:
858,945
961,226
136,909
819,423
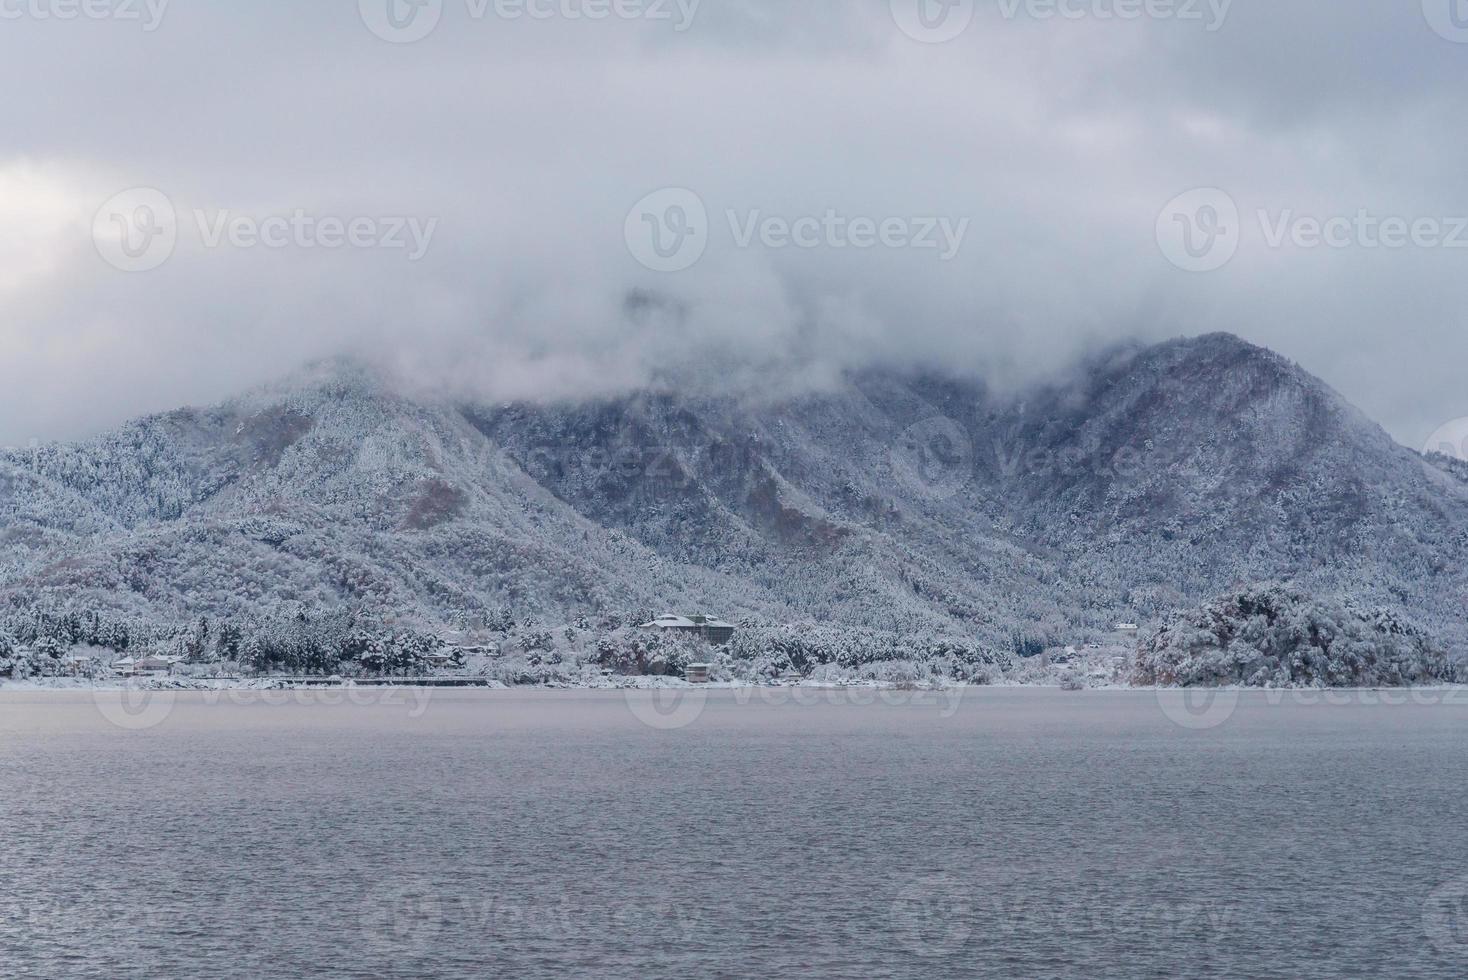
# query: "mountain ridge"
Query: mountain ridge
902,501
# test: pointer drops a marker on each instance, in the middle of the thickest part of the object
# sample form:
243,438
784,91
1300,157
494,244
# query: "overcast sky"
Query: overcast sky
475,192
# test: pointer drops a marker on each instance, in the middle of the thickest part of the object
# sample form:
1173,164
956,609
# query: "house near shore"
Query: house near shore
78,664
709,629
155,666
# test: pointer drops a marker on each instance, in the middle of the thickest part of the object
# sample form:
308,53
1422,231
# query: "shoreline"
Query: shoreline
628,684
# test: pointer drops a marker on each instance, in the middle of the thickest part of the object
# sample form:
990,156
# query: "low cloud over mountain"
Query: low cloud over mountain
896,501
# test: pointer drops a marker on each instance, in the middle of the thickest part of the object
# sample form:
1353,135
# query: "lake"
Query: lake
983,833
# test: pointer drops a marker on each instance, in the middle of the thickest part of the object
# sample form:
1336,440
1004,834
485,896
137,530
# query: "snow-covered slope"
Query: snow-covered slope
1153,480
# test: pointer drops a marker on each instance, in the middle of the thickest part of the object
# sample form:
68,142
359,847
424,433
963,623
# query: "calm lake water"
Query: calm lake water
1000,834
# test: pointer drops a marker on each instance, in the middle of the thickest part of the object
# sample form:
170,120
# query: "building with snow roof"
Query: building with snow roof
708,628
156,665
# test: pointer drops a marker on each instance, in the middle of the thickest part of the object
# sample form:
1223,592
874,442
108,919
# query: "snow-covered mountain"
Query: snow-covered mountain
1152,480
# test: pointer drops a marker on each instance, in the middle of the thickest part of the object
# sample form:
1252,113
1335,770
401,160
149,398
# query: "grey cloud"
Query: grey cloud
1059,141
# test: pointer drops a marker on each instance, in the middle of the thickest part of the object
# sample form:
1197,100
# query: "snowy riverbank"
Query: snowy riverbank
181,684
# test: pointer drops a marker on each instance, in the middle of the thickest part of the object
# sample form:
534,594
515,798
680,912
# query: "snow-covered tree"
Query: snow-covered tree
1275,635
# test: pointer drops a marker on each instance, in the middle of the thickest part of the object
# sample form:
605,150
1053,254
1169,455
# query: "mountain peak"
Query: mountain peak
1222,349
340,374
1154,478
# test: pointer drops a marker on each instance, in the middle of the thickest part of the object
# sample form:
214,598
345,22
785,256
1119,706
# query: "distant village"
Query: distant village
668,645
